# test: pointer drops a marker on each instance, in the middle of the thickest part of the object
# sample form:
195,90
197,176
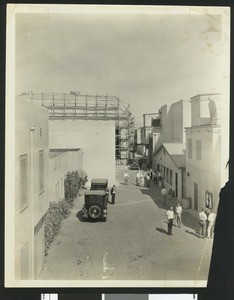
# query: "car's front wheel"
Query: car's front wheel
94,211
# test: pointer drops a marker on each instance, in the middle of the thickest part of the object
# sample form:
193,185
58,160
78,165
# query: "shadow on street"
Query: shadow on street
161,230
192,233
188,219
79,216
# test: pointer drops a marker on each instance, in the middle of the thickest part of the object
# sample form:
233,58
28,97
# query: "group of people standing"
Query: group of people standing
206,223
174,214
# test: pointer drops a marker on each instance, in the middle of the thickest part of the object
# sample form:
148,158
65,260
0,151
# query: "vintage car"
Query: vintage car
101,185
95,205
134,166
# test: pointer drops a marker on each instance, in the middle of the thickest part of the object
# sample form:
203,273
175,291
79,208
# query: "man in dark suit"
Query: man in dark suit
113,191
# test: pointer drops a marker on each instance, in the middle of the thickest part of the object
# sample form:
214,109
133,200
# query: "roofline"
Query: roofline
207,94
169,154
203,126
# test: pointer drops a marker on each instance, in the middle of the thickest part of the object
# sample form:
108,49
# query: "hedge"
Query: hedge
58,211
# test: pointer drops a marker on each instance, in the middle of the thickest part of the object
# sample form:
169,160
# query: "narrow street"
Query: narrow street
132,244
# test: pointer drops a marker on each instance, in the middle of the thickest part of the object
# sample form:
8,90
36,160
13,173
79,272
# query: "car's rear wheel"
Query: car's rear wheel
94,211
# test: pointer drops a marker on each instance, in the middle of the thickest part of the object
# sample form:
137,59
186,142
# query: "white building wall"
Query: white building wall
97,140
204,172
163,159
30,142
175,118
59,167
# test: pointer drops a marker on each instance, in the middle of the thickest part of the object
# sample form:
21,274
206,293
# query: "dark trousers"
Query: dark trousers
169,226
113,198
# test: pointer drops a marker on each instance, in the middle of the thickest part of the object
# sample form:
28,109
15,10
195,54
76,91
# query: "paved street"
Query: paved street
132,244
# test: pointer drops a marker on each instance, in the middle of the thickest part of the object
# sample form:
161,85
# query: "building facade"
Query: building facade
31,187
95,138
170,161
62,161
203,152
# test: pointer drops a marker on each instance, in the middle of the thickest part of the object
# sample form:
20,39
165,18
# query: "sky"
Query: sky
148,60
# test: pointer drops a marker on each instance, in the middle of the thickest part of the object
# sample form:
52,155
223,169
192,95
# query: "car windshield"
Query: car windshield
98,187
90,198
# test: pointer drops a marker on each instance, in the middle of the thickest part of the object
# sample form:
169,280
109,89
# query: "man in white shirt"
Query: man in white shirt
202,223
211,221
178,210
170,218
126,176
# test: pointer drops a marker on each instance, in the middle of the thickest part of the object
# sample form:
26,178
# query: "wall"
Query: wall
30,142
202,110
174,118
204,172
97,140
164,159
60,165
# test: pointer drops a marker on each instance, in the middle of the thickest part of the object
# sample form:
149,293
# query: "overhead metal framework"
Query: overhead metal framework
75,106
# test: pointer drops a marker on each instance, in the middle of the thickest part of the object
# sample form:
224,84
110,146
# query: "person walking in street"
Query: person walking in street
155,176
142,179
170,218
126,176
138,176
147,181
211,221
202,223
140,163
113,191
151,174
178,211
163,193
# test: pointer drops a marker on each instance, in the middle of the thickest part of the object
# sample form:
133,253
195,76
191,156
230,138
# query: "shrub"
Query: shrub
73,181
58,211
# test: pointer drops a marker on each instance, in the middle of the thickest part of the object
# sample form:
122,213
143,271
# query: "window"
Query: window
190,148
198,150
23,181
170,177
41,171
167,179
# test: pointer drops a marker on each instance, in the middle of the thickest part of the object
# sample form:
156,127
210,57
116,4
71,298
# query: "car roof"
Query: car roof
99,180
94,192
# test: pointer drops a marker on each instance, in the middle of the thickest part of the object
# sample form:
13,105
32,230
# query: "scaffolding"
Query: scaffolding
75,106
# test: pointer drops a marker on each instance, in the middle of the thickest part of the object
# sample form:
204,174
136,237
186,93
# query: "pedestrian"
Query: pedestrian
163,193
178,211
138,176
140,163
126,176
151,174
202,223
147,181
170,218
113,191
142,179
155,176
211,221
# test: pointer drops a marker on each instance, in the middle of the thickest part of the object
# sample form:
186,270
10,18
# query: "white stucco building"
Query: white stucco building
62,161
169,146
95,138
170,161
30,199
203,151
